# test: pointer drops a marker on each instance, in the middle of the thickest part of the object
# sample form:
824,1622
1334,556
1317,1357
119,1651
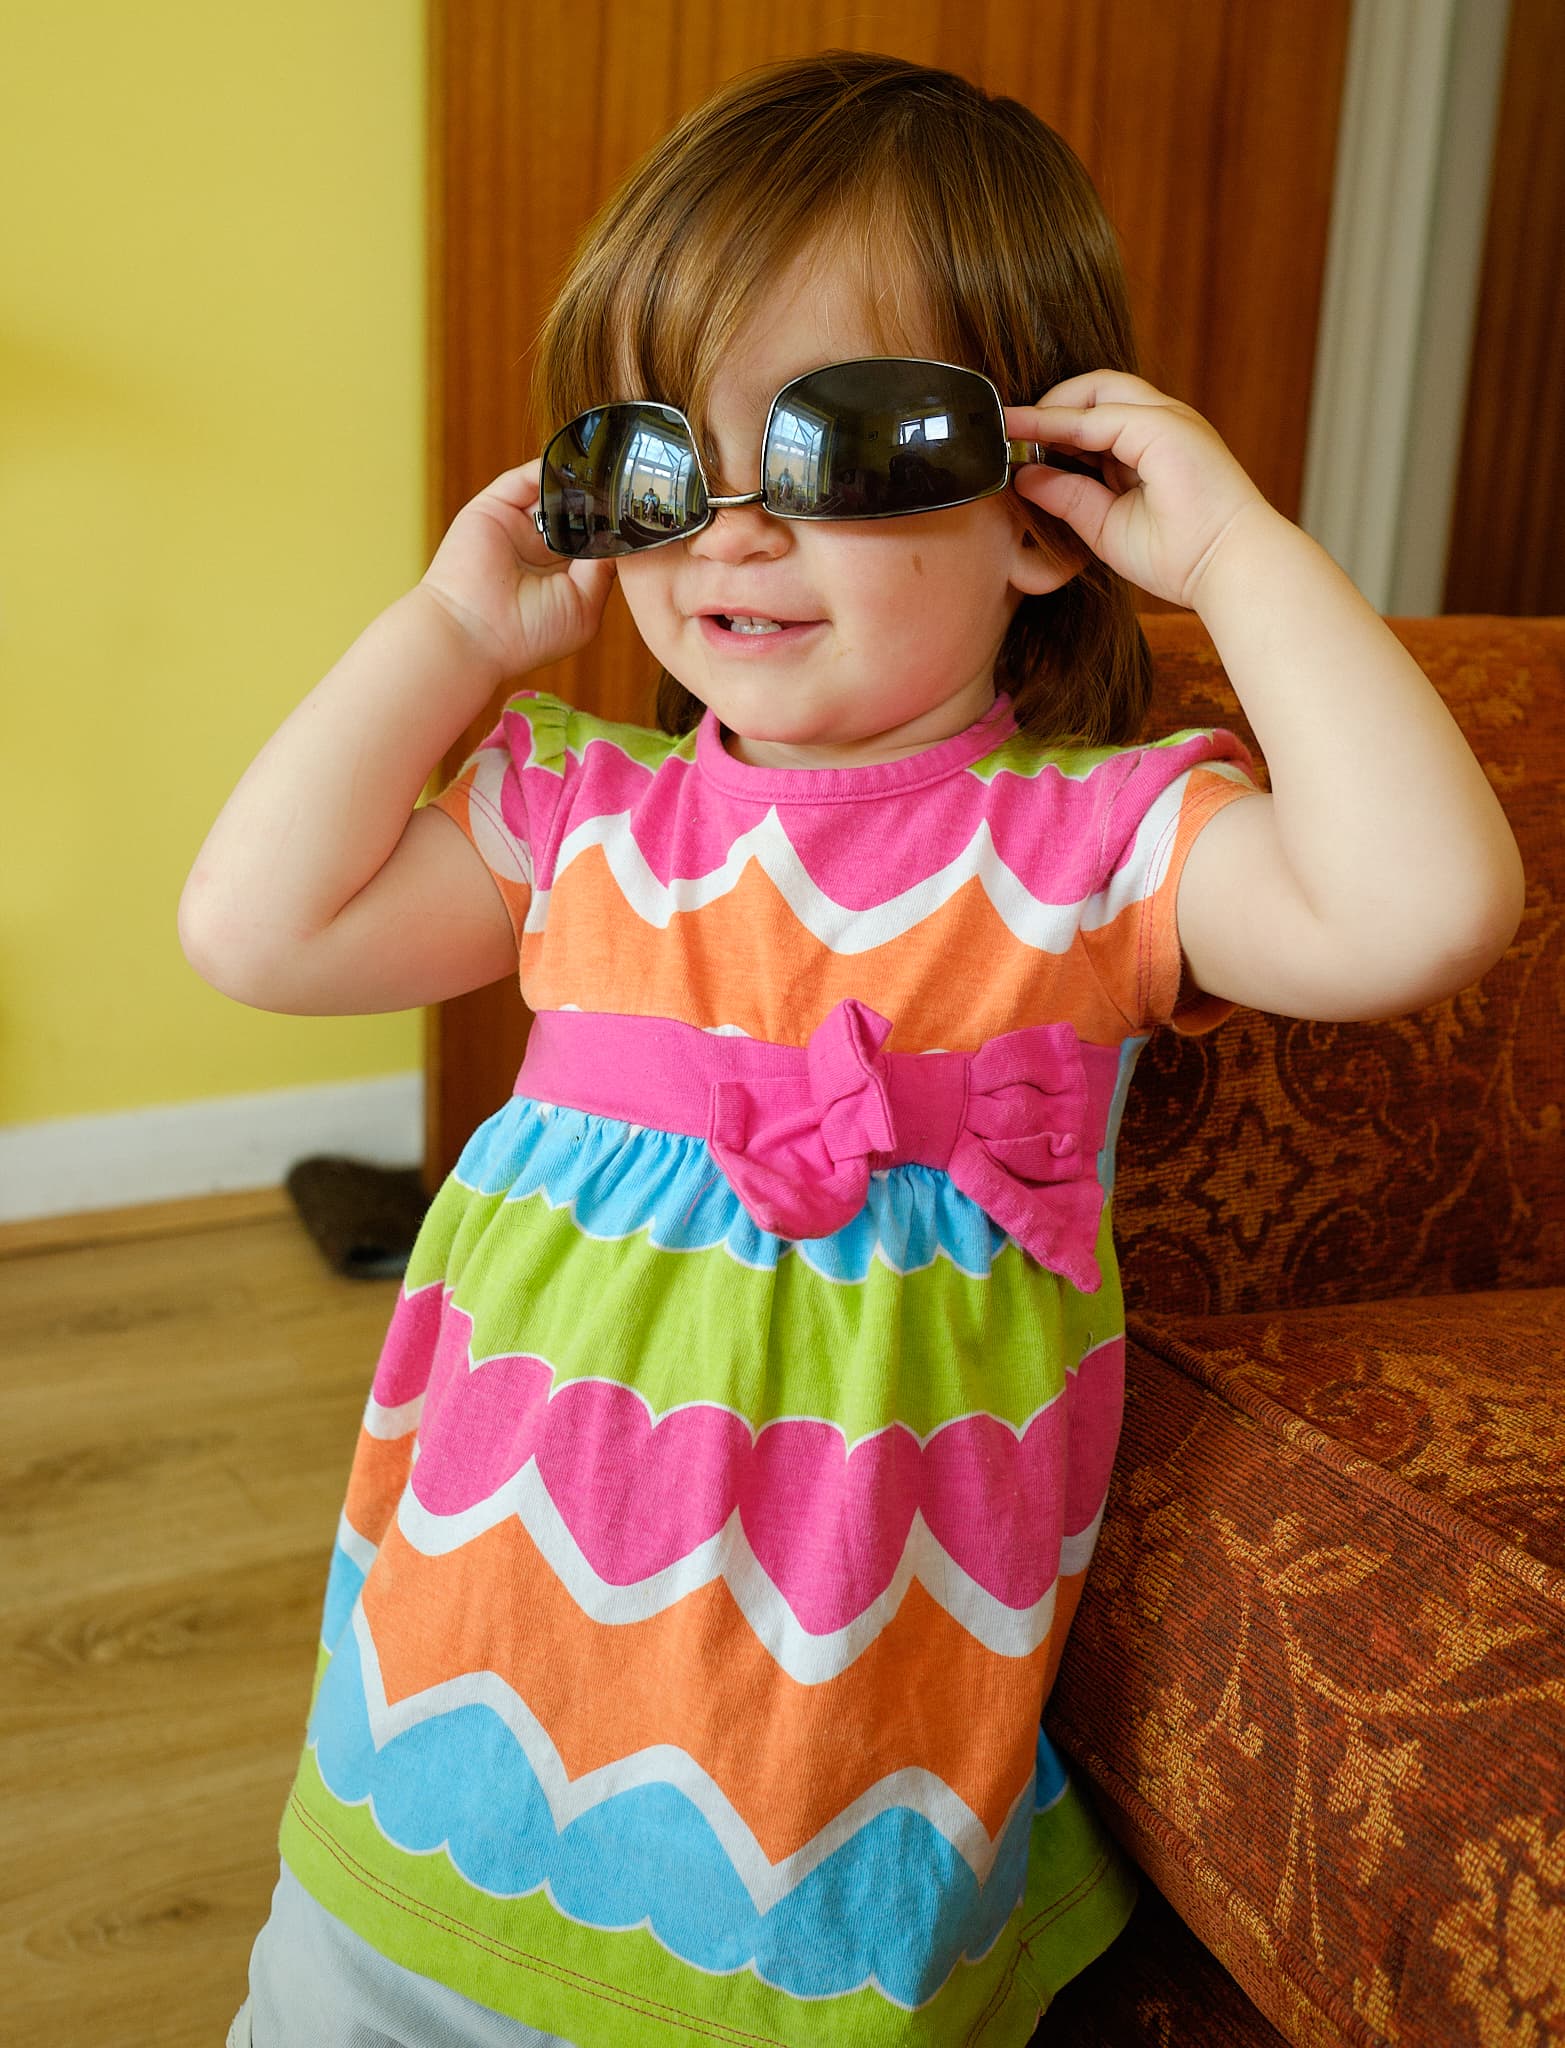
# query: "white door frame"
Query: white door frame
1410,205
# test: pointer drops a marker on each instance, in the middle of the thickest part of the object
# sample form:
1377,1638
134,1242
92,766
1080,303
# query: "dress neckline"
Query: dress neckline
838,785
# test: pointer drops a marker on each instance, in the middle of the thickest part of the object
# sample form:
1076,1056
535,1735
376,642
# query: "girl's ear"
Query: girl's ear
1035,566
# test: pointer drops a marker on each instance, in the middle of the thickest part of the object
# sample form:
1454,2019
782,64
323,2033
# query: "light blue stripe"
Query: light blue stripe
895,1900
619,1179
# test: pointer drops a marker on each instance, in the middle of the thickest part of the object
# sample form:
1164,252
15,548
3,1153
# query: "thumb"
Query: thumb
1081,501
593,580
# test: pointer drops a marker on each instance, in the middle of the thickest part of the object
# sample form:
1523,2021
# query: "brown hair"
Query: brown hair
931,182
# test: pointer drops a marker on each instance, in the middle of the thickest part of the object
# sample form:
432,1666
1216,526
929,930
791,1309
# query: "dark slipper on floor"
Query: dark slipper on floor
363,1217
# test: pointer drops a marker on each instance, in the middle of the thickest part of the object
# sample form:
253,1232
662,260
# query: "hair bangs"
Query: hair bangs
658,291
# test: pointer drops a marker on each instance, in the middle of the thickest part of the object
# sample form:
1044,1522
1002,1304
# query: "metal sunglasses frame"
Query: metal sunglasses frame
1014,460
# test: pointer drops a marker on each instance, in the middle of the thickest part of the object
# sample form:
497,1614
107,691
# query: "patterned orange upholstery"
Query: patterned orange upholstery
1317,1677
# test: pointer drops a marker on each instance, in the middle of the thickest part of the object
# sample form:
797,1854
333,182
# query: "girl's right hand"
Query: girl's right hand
523,606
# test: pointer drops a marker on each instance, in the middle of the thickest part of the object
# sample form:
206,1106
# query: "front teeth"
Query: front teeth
754,626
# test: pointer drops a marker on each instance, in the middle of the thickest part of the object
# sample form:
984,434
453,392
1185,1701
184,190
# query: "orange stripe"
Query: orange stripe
956,979
380,1471
789,1756
1067,1593
1138,954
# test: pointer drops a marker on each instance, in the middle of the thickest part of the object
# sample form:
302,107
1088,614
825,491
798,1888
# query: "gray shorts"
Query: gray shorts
313,1980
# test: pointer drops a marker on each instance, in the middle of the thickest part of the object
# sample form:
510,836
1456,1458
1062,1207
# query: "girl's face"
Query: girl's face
904,616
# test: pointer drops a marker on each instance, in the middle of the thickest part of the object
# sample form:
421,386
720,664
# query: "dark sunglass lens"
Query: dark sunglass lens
885,435
620,478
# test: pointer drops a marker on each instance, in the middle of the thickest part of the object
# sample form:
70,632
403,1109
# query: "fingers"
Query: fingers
1095,426
1118,435
517,486
1104,387
514,495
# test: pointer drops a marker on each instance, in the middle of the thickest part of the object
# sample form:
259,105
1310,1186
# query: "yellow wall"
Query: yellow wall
211,479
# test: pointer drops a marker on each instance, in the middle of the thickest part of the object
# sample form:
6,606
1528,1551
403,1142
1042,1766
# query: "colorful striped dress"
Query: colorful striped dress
698,1589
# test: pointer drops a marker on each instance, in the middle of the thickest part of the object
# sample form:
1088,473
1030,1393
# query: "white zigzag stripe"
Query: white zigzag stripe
359,1548
387,1424
666,1764
1076,1551
726,1554
1048,927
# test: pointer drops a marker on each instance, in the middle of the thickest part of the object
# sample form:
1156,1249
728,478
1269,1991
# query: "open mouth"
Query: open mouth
751,630
757,625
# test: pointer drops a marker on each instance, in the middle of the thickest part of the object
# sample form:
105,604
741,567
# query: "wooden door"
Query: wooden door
1209,128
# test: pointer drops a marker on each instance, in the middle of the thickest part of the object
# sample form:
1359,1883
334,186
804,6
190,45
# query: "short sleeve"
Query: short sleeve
1163,796
505,794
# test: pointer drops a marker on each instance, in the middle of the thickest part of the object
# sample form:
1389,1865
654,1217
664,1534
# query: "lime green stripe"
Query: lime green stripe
1022,755
1081,1889
557,727
522,1957
917,1348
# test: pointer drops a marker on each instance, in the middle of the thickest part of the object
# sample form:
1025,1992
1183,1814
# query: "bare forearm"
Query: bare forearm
323,804
1386,817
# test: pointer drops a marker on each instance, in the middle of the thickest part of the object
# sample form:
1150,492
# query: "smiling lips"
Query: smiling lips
729,631
742,620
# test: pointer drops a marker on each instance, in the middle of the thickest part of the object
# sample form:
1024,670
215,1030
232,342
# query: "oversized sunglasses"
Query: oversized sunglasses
874,438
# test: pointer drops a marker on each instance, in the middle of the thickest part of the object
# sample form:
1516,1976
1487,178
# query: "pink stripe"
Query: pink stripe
828,1525
1047,827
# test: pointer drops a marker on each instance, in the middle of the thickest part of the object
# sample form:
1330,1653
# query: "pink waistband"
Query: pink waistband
797,1130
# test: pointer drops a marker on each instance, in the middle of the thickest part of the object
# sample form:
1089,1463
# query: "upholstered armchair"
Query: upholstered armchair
1317,1679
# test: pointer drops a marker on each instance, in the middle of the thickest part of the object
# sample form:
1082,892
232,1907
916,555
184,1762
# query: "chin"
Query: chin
789,732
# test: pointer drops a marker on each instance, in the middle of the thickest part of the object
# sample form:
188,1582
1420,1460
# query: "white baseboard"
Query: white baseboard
202,1148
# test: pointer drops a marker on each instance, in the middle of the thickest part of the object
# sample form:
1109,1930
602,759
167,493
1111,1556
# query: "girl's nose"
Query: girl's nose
741,533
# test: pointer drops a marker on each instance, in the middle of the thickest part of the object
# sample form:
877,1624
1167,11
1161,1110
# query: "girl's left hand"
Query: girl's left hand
1172,489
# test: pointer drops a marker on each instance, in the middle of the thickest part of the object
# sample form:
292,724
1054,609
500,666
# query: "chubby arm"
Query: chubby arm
320,890
429,925
1380,875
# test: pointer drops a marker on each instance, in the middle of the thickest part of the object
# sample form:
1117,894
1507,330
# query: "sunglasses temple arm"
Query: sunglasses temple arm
1021,452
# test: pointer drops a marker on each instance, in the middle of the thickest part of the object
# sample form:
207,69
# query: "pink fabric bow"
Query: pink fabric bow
1013,1125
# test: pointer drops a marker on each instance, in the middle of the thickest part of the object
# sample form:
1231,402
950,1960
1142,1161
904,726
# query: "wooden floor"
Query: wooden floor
182,1393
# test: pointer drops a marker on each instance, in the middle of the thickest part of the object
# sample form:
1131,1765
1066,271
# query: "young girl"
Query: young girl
741,1436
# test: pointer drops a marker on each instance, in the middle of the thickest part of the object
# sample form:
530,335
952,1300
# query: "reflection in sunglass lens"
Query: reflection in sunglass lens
864,439
620,478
